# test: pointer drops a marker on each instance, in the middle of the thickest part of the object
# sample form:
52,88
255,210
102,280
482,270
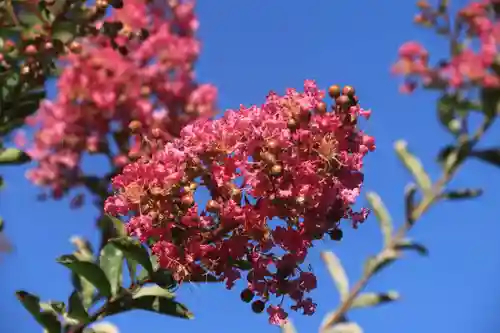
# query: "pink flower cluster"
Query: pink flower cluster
470,63
144,73
279,176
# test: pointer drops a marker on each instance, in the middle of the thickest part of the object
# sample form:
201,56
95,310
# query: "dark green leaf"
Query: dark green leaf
467,193
162,305
447,113
491,156
64,31
47,319
13,156
490,98
76,308
372,299
134,250
111,263
90,271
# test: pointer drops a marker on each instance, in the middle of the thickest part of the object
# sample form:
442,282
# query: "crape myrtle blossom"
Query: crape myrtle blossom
474,40
290,159
141,70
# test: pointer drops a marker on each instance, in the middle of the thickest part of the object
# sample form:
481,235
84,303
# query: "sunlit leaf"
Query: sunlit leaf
13,156
372,299
413,165
111,263
344,328
103,327
383,216
337,273
381,261
152,290
288,327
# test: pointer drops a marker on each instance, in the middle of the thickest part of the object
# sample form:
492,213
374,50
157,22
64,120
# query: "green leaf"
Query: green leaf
76,308
134,250
13,156
467,193
407,244
381,261
152,290
162,305
90,271
111,263
117,224
104,327
47,319
413,165
491,156
288,327
490,98
372,299
64,31
447,113
383,216
337,273
344,328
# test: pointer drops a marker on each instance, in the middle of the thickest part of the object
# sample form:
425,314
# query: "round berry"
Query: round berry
247,295
258,306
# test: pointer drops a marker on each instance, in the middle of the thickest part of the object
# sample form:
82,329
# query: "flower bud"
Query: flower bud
292,124
348,91
268,157
213,206
187,201
334,91
258,306
320,108
336,234
247,295
134,126
276,170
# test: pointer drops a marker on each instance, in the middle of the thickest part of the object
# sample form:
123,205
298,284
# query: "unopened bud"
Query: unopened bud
320,108
349,91
334,91
213,206
135,126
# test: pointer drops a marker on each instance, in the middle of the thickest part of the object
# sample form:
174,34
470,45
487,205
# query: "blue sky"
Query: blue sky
251,47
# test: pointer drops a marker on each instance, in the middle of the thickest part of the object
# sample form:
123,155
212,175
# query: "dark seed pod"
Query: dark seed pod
258,306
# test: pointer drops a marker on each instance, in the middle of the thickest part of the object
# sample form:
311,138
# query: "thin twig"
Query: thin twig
423,206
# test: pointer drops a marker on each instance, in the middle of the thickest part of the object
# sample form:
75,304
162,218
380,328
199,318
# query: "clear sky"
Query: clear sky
251,47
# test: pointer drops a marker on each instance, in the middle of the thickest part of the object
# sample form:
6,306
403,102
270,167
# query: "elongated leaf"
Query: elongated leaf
152,290
467,193
383,216
384,259
111,263
90,271
337,273
13,156
132,249
288,327
413,165
410,245
491,156
162,305
344,328
372,299
103,327
410,192
47,319
76,308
